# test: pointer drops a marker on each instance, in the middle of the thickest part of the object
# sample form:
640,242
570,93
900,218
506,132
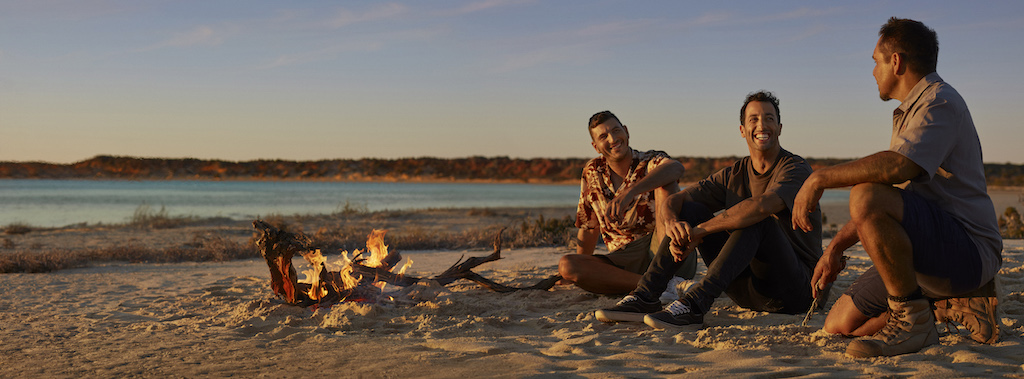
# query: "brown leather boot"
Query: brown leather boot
977,311
911,327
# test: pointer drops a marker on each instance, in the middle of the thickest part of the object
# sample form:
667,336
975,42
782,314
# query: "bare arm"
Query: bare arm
587,240
745,213
884,167
665,176
686,237
831,262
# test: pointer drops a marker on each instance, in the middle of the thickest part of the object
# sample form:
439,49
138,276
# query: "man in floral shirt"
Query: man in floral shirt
619,193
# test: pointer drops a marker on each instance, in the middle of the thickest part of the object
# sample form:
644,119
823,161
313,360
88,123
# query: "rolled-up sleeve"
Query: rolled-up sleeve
925,137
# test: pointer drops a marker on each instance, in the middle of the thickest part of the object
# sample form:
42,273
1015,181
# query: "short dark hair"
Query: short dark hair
916,43
764,96
600,118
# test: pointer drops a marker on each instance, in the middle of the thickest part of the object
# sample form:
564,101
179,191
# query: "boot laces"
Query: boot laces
895,325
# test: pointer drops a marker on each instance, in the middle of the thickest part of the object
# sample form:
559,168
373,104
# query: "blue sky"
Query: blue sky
242,80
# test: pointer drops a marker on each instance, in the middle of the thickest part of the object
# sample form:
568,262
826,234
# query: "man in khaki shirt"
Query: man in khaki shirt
937,237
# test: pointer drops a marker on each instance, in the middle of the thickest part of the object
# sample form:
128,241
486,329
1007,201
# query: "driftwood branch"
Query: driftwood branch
278,247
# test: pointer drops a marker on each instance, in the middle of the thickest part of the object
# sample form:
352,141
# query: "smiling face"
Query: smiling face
611,139
761,127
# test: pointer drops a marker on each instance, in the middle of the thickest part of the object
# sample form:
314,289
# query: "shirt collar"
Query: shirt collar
918,90
607,177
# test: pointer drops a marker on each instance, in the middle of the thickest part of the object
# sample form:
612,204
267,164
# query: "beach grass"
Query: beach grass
147,217
17,228
154,236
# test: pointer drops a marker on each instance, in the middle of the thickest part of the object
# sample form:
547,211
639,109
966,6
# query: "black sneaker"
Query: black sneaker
676,315
630,308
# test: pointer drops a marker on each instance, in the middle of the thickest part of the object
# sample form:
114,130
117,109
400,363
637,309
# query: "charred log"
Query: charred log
278,247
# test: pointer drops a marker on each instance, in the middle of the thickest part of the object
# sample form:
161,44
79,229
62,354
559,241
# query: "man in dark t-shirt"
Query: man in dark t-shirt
752,252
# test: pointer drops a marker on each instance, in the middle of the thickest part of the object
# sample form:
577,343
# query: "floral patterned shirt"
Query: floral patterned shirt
596,191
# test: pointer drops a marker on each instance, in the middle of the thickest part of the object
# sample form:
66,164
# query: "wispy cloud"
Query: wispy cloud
811,31
202,35
615,28
1012,22
347,17
719,18
541,56
800,14
67,10
356,43
575,45
483,5
711,19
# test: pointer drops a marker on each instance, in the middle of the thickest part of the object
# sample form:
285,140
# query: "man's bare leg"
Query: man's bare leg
596,275
877,211
844,318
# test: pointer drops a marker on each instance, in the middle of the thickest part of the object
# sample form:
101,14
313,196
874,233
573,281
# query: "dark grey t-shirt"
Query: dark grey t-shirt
731,185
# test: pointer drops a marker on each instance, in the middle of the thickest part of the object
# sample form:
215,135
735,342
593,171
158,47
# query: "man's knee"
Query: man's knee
571,266
869,200
694,212
566,268
844,318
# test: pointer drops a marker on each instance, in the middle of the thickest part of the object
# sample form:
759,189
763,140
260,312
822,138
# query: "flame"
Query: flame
408,263
346,278
317,289
348,281
375,244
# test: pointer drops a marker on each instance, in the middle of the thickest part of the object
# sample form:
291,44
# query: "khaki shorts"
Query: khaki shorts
634,257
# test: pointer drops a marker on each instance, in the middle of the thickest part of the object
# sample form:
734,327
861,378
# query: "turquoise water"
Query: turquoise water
52,203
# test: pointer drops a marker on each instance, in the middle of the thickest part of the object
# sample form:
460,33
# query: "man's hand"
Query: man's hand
685,238
826,271
806,202
617,208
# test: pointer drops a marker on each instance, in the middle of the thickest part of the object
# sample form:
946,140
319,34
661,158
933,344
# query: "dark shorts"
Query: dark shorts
634,257
945,258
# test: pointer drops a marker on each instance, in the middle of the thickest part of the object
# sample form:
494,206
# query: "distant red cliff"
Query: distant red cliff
537,170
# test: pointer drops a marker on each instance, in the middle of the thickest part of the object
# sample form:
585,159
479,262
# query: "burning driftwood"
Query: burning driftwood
355,280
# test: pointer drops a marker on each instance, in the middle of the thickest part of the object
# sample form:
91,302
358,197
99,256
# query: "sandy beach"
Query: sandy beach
221,319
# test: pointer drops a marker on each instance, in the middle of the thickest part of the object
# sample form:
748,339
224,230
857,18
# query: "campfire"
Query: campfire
361,277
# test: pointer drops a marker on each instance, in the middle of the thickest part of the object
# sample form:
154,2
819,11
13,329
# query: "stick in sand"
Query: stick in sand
814,304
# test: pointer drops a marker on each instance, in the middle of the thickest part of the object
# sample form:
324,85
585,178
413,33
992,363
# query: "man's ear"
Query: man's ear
899,66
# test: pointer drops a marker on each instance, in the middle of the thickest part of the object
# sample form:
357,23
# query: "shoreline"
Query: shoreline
324,180
397,179
1002,198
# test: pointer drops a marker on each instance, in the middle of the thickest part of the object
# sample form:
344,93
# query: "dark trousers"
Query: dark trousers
755,266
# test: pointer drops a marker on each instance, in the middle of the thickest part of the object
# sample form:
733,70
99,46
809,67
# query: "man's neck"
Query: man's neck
905,84
620,168
763,160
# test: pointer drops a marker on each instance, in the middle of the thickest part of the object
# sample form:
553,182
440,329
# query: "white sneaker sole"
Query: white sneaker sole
605,315
661,325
